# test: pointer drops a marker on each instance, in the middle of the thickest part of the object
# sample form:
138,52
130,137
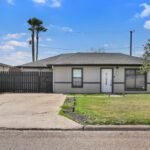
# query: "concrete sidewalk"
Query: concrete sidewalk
33,111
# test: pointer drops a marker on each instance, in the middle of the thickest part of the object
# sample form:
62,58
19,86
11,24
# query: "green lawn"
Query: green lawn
102,109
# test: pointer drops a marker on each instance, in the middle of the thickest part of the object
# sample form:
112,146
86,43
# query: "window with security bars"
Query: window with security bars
77,78
135,80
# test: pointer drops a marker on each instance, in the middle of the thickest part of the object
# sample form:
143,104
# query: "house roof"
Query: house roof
41,63
87,59
4,65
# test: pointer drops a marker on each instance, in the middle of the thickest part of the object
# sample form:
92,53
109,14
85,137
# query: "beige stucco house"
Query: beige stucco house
4,67
94,73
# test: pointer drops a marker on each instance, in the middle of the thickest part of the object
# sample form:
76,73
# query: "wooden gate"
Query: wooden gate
26,82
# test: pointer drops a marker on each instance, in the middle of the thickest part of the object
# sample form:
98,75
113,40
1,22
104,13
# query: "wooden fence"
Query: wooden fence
26,82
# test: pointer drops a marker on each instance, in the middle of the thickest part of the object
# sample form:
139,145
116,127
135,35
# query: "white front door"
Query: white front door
106,80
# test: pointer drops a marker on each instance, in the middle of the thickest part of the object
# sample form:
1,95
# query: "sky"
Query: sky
73,26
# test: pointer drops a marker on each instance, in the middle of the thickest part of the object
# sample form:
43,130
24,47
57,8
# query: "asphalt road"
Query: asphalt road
67,140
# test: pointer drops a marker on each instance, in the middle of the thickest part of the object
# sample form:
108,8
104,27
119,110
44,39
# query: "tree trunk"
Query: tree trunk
37,46
33,49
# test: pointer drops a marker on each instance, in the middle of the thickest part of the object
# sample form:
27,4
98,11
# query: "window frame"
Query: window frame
73,86
135,89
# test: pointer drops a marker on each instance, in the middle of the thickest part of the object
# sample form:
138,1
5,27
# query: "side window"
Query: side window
135,80
77,78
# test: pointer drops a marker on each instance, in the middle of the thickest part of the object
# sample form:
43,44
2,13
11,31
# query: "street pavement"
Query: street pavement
74,140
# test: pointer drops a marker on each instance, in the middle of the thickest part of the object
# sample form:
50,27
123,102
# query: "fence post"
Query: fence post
39,80
14,82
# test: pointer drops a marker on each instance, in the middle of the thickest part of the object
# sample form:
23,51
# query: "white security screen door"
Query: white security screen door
106,80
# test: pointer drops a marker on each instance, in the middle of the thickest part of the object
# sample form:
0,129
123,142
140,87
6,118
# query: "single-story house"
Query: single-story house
4,67
94,73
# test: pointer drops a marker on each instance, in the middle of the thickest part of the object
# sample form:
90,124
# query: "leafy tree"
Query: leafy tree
146,57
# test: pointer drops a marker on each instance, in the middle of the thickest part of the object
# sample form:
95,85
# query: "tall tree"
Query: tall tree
146,57
32,22
36,27
39,29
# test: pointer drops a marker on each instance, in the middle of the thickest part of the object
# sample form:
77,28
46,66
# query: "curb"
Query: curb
117,128
42,129
87,128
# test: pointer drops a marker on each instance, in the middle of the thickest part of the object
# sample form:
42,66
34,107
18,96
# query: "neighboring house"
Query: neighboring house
4,67
94,73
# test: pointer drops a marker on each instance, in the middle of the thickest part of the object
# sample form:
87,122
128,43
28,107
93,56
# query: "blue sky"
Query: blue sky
73,25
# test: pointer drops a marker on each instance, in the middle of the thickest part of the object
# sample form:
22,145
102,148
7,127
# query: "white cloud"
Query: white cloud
40,1
11,2
10,45
16,58
49,39
51,3
145,12
14,36
16,44
60,28
6,47
55,3
67,29
22,55
147,24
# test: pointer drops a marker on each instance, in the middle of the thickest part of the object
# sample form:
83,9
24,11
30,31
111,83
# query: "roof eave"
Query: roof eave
94,65
35,67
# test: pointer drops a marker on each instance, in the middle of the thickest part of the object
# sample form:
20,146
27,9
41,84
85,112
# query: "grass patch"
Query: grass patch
104,110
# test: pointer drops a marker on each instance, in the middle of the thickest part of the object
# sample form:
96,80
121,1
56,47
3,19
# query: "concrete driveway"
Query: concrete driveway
33,111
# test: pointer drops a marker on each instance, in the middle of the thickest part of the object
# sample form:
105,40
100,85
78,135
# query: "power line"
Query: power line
60,48
95,32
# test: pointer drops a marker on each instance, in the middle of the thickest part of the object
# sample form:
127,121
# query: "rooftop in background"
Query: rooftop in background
87,59
4,65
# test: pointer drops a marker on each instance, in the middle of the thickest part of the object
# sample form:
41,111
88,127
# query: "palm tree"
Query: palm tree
36,26
39,29
32,22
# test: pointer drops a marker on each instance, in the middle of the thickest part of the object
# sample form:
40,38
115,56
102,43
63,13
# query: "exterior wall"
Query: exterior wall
62,78
36,69
4,68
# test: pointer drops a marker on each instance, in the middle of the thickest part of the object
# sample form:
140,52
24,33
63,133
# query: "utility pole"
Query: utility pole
131,41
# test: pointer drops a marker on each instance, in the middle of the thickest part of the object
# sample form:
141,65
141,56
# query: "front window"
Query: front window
135,80
77,78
